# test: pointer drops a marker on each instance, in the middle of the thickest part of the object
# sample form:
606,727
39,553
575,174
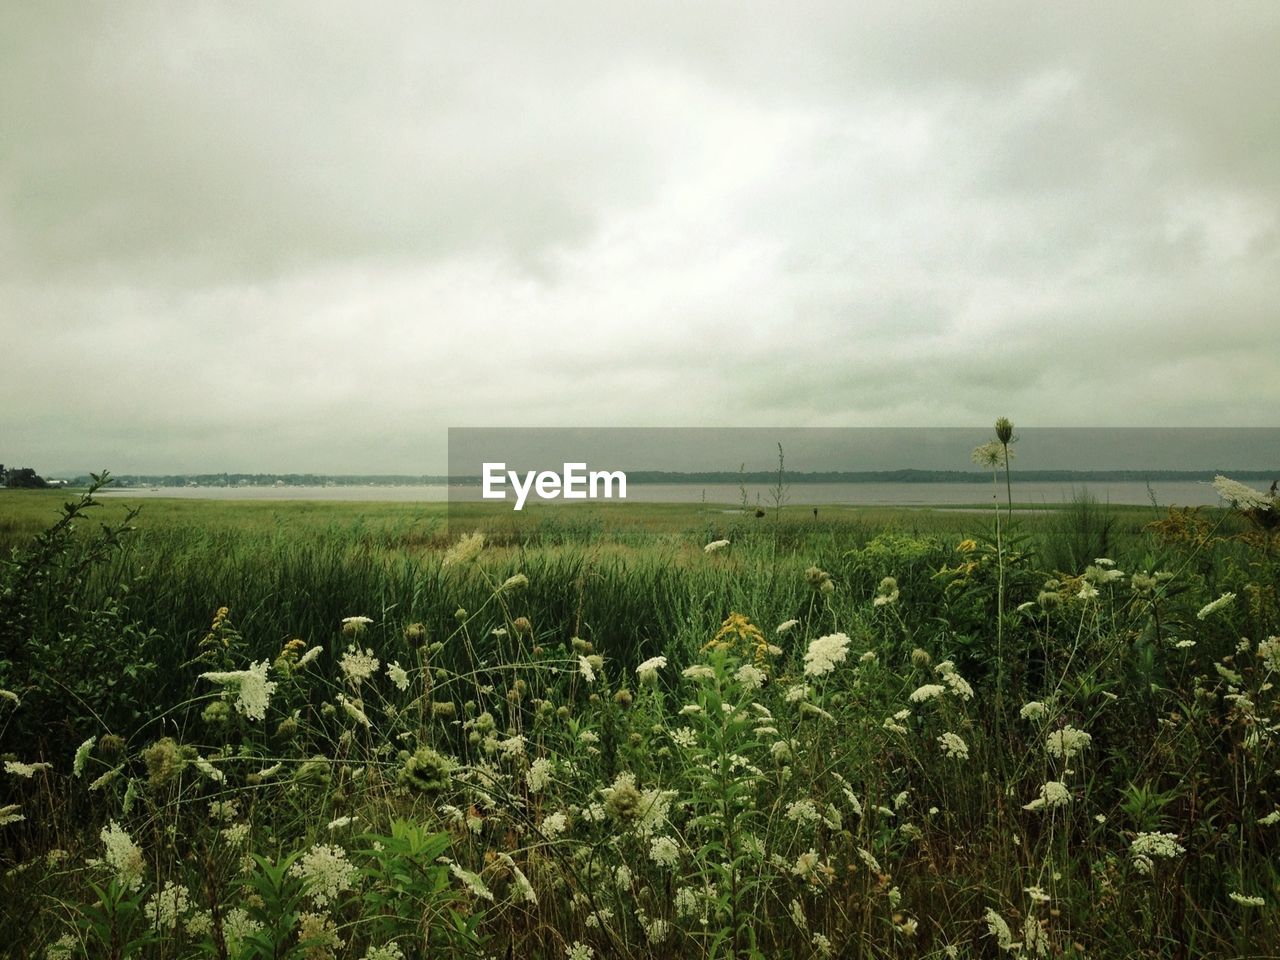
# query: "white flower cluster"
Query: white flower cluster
953,746
326,872
1067,742
358,665
253,689
1052,794
824,653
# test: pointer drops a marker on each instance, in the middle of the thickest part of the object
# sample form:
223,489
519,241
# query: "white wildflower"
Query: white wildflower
1156,845
786,626
1246,901
824,653
398,675
751,678
585,670
1067,742
1241,496
1215,605
1035,710
358,665
648,671
928,691
953,746
82,756
471,881
27,770
168,906
539,774
123,855
715,545
326,872
664,851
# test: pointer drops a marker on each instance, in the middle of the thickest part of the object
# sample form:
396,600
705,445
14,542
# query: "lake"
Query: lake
1170,493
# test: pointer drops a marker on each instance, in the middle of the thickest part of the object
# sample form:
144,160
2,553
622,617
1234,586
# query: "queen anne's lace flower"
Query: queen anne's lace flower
123,855
253,689
954,746
824,653
1215,605
326,872
1067,742
648,671
358,665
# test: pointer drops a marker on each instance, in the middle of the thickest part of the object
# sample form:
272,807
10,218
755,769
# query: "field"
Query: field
372,731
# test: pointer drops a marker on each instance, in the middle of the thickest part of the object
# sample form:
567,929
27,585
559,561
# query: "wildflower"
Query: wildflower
1215,605
471,881
1067,742
1087,590
699,671
465,550
822,945
648,671
209,770
586,670
685,738
398,675
786,627
797,914
326,872
320,933
309,656
1240,496
953,746
82,756
1052,794
168,906
354,626
887,592
539,774
357,665
752,678
10,814
958,684
355,710
27,770
990,454
715,546
525,888
123,855
1148,845
807,864
517,581
554,824
803,811
999,929
11,697
664,851
1035,710
580,951
927,692
1246,901
796,692
390,951
824,653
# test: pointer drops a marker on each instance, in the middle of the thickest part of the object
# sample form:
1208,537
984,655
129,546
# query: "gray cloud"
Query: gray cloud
301,237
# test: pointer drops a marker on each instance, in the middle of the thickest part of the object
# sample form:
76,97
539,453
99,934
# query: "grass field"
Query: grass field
598,731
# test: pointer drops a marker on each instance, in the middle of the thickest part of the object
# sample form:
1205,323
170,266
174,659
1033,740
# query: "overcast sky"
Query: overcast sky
313,236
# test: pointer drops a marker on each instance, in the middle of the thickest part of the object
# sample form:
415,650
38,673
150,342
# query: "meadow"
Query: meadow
374,731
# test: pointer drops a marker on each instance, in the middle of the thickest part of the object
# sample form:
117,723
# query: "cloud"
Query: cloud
301,238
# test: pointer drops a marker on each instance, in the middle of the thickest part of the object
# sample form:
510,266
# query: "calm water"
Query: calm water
1178,493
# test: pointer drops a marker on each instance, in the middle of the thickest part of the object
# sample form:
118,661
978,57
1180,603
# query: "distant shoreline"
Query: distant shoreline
755,478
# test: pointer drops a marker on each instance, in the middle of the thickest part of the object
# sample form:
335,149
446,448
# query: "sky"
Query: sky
314,236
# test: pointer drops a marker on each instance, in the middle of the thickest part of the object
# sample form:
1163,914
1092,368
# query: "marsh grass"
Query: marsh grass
850,786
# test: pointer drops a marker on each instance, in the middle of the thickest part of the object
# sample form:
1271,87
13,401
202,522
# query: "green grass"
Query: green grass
795,803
